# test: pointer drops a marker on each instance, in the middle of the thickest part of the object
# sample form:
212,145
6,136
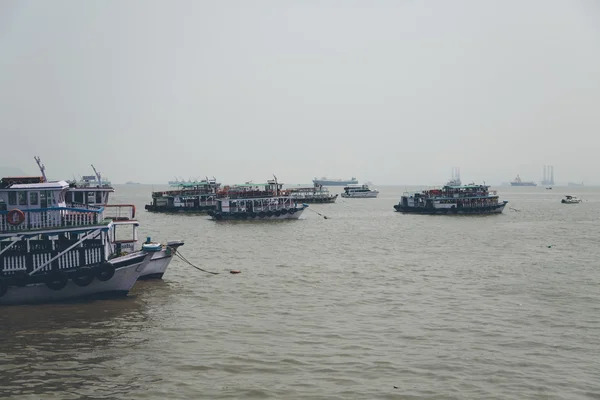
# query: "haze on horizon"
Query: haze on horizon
396,92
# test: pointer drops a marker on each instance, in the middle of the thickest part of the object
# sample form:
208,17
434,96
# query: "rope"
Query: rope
324,216
185,260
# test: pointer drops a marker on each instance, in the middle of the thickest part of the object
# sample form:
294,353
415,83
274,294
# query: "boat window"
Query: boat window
12,198
78,197
2,205
33,198
22,198
99,198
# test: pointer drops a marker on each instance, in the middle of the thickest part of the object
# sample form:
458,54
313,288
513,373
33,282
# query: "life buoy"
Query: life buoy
3,286
56,280
83,276
105,272
15,217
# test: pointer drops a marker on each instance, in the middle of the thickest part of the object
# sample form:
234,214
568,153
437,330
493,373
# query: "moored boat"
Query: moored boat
468,199
256,201
359,192
194,197
315,194
51,251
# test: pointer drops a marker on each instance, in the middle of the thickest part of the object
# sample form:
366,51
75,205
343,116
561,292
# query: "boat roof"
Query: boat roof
465,187
43,185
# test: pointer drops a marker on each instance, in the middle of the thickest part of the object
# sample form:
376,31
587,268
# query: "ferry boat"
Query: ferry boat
571,200
256,201
186,197
359,191
51,251
315,194
468,199
123,235
519,182
335,182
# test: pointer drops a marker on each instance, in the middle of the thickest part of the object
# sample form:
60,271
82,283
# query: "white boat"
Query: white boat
359,191
255,202
52,251
570,200
122,237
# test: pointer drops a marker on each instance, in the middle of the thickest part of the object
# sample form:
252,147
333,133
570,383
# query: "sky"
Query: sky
389,91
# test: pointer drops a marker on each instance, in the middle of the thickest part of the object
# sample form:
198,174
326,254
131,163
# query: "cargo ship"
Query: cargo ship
335,182
519,182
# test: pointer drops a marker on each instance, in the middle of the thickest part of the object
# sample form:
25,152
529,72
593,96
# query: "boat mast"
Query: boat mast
98,177
41,166
276,186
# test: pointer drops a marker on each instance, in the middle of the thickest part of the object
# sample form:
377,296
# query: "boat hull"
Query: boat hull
160,261
127,270
315,200
165,209
360,195
497,209
245,216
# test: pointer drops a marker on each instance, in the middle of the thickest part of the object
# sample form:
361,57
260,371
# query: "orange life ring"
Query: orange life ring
15,217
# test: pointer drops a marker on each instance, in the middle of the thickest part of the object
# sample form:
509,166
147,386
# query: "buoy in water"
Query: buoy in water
235,271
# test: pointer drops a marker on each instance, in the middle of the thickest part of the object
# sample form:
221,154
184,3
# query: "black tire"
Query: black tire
284,211
269,213
262,214
218,216
105,272
57,280
3,286
251,215
293,210
277,213
83,276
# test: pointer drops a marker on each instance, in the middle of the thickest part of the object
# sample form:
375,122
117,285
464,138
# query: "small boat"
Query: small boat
359,192
570,200
122,236
256,201
468,199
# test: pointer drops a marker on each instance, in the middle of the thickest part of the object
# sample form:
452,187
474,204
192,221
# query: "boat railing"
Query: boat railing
258,204
119,212
50,218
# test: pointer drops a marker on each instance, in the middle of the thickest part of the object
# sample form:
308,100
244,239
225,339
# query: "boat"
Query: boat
87,180
315,194
519,182
571,200
468,199
50,251
256,201
359,192
132,183
195,197
335,182
122,236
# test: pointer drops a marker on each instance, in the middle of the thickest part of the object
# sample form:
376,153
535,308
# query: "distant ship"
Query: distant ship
519,182
335,182
575,184
132,183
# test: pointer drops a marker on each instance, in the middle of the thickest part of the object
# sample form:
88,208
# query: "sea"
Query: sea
366,303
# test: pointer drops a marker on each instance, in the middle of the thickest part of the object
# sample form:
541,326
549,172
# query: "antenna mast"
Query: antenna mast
41,166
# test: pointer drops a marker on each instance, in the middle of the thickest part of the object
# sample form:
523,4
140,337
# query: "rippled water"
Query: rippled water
367,304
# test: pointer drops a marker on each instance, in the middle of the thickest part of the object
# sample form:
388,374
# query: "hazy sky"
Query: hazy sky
388,91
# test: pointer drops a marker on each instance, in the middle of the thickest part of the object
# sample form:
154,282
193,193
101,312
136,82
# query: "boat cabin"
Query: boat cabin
31,193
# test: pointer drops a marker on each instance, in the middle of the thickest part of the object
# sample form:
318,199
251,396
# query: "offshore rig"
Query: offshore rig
548,175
